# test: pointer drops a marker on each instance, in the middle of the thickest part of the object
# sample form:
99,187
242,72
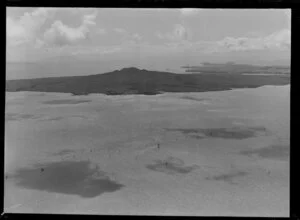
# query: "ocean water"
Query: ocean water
211,153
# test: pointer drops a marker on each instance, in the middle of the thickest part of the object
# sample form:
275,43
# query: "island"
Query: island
132,80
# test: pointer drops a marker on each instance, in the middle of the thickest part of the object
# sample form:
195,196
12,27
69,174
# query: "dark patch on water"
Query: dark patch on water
185,130
27,116
277,152
11,116
63,152
171,166
195,99
53,119
14,102
65,101
226,133
63,117
228,177
196,136
67,177
16,116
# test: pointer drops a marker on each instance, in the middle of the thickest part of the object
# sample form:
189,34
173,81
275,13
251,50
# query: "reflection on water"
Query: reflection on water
67,177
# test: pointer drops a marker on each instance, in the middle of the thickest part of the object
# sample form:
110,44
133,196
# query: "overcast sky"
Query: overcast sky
162,38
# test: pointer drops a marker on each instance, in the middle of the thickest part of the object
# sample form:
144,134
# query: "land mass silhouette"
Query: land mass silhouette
140,81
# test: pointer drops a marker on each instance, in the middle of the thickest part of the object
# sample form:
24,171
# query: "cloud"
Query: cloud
25,29
189,11
29,28
128,41
60,34
279,40
15,33
179,34
96,50
129,38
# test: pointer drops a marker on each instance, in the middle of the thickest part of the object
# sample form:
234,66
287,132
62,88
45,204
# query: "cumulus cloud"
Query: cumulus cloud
24,29
60,34
29,28
278,40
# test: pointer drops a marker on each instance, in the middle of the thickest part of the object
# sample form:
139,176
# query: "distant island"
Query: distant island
140,81
233,68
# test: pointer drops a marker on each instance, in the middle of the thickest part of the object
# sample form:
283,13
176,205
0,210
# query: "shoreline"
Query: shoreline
154,94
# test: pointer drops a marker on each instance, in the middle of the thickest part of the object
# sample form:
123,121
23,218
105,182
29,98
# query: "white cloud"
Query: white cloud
189,11
24,29
129,38
28,29
15,33
60,34
279,40
179,33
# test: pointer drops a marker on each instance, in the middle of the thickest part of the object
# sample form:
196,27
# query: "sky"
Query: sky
79,41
